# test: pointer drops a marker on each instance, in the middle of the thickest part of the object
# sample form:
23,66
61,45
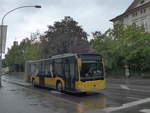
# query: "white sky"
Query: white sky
92,15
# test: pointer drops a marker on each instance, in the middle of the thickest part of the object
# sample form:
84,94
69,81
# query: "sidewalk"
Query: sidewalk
17,99
15,80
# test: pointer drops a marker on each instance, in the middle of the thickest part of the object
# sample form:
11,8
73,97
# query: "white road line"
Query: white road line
127,88
134,98
145,91
127,105
124,87
140,90
145,111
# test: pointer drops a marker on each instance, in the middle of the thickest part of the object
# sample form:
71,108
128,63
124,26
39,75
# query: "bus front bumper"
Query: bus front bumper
90,86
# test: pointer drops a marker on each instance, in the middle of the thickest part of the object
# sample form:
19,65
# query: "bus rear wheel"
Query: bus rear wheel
59,86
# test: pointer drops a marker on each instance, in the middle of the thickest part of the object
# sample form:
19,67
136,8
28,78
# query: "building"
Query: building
137,13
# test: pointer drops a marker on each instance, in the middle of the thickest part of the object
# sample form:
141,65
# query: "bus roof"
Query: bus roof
74,54
66,55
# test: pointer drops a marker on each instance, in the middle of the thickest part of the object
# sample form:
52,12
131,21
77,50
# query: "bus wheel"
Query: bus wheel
59,86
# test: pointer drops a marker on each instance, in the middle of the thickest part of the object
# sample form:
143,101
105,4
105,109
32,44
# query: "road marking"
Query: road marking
124,87
134,98
140,90
127,105
145,111
127,88
56,92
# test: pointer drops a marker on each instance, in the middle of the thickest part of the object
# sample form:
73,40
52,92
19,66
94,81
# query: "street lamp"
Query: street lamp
2,24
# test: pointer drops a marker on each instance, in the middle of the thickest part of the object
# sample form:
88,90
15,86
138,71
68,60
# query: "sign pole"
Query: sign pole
1,53
0,68
3,33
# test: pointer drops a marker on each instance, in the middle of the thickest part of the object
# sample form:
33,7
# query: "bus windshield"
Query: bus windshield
91,70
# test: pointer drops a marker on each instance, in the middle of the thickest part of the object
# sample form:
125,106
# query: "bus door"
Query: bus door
42,81
72,75
69,68
42,74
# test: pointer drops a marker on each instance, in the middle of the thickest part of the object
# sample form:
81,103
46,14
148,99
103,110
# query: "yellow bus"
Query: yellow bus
68,72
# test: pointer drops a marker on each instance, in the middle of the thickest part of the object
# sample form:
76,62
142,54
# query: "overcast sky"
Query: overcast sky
92,15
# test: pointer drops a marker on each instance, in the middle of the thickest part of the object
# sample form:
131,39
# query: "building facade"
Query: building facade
138,13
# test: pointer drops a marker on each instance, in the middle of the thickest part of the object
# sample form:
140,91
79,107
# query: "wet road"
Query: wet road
121,96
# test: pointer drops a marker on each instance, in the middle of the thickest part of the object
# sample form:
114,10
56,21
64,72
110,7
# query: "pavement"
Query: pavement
16,80
120,96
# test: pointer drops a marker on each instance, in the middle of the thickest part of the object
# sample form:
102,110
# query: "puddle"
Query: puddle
92,102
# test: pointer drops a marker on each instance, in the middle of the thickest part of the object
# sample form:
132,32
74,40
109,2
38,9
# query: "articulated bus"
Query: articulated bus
68,72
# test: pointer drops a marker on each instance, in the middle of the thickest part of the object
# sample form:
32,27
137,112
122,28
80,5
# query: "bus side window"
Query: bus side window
58,67
67,68
46,69
40,68
72,69
51,70
32,69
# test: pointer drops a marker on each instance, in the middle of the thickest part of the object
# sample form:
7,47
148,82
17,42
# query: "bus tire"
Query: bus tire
59,86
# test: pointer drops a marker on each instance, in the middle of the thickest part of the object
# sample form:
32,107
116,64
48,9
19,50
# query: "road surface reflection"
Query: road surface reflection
91,102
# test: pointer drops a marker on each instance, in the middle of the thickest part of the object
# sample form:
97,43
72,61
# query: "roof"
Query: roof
136,4
63,56
73,54
133,5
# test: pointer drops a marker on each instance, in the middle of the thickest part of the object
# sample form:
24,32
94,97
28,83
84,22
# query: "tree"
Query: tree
105,45
124,45
19,53
12,58
133,41
65,36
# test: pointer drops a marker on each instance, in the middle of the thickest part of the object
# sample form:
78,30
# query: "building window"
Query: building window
144,24
142,1
134,14
135,23
127,16
143,11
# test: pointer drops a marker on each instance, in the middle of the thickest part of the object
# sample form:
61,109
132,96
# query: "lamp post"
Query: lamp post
2,24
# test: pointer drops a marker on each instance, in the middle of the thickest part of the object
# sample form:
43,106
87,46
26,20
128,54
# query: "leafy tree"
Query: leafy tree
12,57
124,45
133,41
19,53
65,36
105,44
